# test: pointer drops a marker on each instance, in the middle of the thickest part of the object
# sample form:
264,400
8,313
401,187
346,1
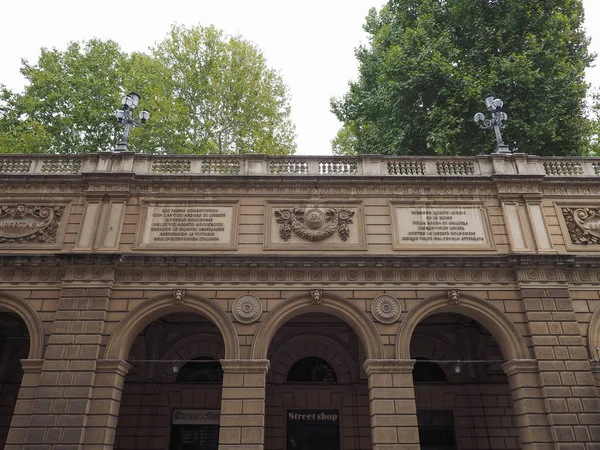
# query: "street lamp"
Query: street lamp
125,116
498,121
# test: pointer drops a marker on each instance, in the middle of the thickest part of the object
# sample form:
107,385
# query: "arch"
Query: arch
505,332
132,324
337,306
188,347
594,335
32,320
297,347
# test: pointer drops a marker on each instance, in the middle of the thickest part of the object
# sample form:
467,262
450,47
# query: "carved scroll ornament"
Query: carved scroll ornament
21,224
583,225
314,224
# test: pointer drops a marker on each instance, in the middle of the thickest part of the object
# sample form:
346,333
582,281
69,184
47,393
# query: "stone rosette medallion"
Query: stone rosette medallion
386,309
247,308
583,225
23,224
314,224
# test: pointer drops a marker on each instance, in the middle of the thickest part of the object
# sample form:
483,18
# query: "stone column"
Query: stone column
392,400
566,379
27,406
529,406
242,424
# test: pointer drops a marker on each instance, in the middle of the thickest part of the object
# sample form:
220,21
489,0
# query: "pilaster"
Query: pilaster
566,380
392,402
242,424
27,406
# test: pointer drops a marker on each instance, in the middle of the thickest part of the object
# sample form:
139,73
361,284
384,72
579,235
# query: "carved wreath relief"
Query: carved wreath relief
21,224
314,224
247,308
583,225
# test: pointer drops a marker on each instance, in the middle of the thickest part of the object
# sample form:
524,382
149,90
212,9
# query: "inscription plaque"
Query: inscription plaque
188,226
450,226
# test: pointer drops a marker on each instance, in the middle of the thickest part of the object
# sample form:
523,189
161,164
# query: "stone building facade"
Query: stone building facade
249,303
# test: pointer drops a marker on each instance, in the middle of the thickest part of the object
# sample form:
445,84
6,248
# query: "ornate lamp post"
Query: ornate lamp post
125,116
498,121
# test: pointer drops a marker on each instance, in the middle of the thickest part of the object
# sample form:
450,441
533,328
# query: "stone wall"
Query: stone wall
86,268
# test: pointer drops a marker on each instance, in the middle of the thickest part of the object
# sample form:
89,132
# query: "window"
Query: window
206,370
428,372
312,369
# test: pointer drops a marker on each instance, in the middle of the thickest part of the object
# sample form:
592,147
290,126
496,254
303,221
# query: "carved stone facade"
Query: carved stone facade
154,302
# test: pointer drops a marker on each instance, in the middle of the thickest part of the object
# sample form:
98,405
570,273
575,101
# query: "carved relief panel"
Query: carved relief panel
32,225
338,226
580,226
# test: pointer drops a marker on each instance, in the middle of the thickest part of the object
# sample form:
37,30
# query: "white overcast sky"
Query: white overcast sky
311,42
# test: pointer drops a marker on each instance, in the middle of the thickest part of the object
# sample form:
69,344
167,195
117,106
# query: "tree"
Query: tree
69,102
227,99
206,92
430,63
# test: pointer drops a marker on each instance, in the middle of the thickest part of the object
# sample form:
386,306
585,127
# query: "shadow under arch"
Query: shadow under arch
505,332
594,335
32,320
132,324
334,305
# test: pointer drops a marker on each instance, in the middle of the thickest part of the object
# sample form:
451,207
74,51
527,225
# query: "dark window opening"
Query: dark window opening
312,369
194,437
428,372
206,370
436,430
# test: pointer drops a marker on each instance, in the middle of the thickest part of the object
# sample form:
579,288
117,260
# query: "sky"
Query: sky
310,42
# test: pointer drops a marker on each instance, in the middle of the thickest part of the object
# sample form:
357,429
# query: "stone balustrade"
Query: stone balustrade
269,165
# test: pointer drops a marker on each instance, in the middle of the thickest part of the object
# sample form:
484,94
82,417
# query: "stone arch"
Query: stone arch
594,335
32,320
505,332
125,333
296,348
334,305
188,347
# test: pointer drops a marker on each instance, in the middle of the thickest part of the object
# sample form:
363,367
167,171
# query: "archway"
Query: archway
317,393
21,338
462,394
14,346
172,394
330,304
129,328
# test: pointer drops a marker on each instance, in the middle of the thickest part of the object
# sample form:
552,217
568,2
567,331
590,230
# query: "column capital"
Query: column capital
32,365
113,366
372,366
515,366
260,366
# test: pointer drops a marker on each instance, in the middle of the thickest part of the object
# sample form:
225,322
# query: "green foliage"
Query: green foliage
430,63
206,92
227,99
